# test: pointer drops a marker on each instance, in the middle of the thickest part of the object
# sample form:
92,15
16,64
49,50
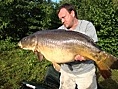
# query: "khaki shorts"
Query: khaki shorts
83,81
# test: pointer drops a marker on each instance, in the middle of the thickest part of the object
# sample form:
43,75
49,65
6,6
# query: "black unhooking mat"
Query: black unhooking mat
51,81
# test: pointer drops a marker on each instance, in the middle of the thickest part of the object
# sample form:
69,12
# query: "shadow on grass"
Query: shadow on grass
108,84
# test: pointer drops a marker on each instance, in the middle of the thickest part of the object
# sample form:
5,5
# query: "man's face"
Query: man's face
66,18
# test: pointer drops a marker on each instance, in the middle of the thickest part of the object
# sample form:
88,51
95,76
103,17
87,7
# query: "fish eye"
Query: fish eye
25,39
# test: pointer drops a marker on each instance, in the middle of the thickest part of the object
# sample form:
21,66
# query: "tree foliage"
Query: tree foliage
20,17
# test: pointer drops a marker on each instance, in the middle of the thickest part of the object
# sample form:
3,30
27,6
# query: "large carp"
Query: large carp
61,46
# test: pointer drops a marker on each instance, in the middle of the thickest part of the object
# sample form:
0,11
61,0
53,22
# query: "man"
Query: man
81,72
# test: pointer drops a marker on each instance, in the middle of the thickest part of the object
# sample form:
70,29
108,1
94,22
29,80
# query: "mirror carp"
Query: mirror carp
61,46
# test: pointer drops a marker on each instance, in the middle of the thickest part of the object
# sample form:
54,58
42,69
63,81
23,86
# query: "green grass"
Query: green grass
111,83
18,65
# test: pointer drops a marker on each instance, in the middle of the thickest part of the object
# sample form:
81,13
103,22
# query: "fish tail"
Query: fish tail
110,60
104,70
105,63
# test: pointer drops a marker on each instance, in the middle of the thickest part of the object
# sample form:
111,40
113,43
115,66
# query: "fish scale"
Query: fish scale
61,46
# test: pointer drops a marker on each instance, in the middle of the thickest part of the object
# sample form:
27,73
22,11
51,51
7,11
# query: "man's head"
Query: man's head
67,14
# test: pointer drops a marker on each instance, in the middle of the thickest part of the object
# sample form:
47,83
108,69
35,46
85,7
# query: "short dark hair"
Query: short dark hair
68,7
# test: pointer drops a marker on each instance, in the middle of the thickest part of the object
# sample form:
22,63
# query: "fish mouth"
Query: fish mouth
19,44
26,48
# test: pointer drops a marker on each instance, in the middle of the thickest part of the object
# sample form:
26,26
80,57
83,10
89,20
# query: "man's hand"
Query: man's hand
79,58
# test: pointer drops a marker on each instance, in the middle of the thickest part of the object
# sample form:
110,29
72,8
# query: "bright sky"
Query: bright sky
55,1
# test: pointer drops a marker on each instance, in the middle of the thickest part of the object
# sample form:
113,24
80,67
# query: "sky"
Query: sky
55,1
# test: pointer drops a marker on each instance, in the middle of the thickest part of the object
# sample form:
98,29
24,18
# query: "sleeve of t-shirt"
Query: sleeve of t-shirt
91,31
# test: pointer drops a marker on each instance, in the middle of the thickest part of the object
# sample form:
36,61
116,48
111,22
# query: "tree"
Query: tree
21,17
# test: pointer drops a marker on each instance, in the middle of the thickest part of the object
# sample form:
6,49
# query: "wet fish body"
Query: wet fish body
61,46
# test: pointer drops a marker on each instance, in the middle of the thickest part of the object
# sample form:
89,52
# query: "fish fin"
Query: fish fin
104,70
110,60
56,66
39,55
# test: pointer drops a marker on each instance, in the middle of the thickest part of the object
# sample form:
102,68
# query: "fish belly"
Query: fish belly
57,55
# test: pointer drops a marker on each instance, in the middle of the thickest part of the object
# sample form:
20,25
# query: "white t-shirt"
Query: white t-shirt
79,67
